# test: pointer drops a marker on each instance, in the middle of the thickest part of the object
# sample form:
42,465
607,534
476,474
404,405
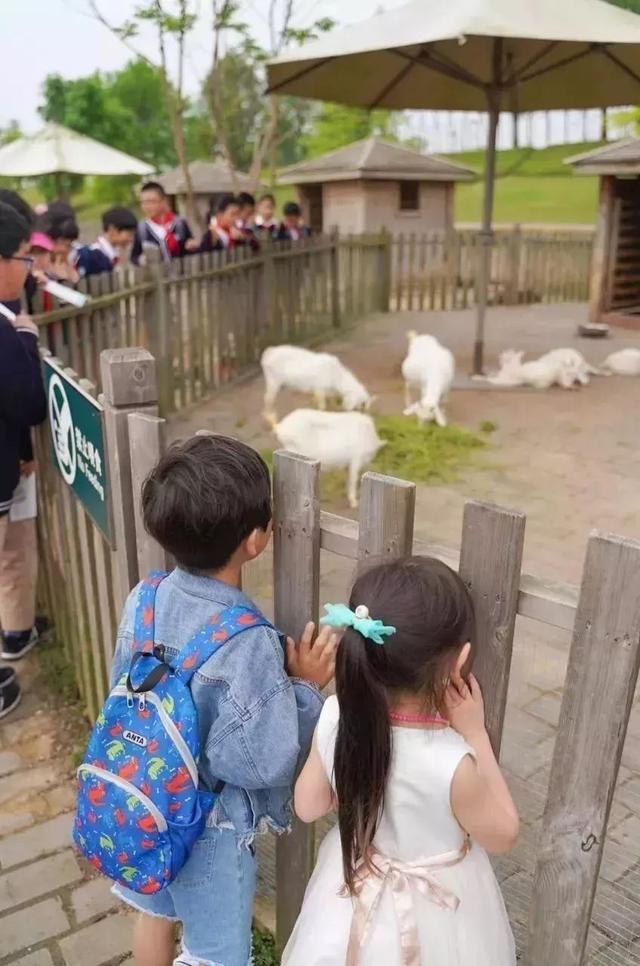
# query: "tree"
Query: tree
633,5
336,126
172,26
173,21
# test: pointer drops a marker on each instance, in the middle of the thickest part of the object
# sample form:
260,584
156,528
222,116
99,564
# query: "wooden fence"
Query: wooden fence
440,270
207,318
85,583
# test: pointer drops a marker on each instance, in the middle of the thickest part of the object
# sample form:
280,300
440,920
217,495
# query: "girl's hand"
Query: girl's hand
465,707
313,661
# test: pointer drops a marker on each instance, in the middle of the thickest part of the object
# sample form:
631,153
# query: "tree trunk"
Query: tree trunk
516,140
265,142
604,125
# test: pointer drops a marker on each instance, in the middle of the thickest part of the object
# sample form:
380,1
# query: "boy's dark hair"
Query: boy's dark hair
204,498
12,198
245,199
225,201
65,228
14,230
292,208
60,211
121,218
154,186
268,197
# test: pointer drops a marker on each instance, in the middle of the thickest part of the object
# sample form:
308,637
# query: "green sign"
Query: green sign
77,438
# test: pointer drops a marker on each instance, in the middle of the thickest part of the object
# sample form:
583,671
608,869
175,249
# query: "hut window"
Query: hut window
409,195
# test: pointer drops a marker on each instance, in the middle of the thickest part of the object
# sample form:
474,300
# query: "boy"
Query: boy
247,213
292,227
208,503
161,227
265,219
22,405
118,231
223,233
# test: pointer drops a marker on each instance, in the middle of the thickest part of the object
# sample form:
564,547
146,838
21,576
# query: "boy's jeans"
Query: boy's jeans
212,896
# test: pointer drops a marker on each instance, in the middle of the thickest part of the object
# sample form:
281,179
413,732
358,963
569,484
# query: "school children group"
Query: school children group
234,221
214,713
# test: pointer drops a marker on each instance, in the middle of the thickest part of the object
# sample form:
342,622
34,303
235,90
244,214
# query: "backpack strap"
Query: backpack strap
145,620
218,630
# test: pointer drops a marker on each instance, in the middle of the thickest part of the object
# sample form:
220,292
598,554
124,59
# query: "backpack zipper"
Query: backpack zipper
110,778
170,728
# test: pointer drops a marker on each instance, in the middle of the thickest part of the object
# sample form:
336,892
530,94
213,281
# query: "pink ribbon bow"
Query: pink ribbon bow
403,879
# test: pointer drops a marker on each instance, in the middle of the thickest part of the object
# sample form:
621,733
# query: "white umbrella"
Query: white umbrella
487,55
59,150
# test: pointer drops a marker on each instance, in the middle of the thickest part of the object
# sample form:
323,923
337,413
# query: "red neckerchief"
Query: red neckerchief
168,221
224,234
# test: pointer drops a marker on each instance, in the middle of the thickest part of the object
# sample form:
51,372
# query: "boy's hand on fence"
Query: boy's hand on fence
465,707
191,245
310,660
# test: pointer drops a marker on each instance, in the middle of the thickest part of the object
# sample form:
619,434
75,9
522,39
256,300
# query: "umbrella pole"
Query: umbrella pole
486,234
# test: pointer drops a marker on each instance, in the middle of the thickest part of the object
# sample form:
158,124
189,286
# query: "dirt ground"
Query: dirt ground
570,460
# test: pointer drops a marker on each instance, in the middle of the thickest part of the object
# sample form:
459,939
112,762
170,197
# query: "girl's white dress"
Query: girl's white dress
417,825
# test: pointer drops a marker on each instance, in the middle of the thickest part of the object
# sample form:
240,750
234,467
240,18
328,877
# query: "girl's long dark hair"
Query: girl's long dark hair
431,609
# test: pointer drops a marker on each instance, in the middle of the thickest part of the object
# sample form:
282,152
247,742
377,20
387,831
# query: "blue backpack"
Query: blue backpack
140,809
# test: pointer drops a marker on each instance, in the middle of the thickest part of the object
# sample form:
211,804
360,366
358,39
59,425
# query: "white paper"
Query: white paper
66,294
23,504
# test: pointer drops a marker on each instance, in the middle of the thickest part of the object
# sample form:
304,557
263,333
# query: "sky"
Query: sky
62,36
41,37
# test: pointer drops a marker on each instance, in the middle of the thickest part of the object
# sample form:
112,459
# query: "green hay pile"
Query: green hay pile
420,454
423,454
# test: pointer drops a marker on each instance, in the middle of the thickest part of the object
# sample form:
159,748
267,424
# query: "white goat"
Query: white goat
431,367
553,368
625,362
336,439
320,373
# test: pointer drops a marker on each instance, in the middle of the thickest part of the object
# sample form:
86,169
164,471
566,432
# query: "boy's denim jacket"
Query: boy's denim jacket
255,722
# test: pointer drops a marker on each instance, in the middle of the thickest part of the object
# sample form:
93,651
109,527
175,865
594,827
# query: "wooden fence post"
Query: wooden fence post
490,563
296,580
599,688
512,288
160,343
387,510
129,384
146,446
334,256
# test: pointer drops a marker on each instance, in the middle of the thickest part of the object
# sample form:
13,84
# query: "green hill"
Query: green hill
532,186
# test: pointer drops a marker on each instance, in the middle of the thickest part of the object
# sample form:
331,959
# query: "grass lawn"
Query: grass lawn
532,186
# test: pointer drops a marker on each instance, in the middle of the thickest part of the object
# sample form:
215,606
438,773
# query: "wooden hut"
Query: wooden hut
372,184
210,180
615,274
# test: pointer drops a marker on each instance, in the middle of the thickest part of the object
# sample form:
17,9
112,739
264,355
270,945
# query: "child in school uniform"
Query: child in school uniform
403,754
223,232
293,226
161,227
208,504
266,223
118,231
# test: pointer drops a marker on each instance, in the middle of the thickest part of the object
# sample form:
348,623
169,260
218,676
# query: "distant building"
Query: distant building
210,180
615,271
372,184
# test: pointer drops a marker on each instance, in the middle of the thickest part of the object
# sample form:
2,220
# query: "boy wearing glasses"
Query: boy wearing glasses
22,405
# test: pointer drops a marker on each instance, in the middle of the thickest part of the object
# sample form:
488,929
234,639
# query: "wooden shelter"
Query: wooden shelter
615,275
371,184
210,180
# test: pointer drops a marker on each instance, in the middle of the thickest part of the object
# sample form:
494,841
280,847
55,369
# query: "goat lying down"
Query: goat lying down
338,440
319,373
625,362
559,367
431,367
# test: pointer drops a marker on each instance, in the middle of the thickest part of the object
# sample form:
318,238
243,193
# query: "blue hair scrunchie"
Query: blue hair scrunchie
339,615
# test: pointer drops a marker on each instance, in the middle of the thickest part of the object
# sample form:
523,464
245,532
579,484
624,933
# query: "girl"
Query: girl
404,879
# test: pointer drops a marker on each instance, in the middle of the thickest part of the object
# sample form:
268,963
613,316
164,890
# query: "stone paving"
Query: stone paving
53,912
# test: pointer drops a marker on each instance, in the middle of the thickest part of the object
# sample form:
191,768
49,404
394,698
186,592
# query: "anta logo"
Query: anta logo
135,739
